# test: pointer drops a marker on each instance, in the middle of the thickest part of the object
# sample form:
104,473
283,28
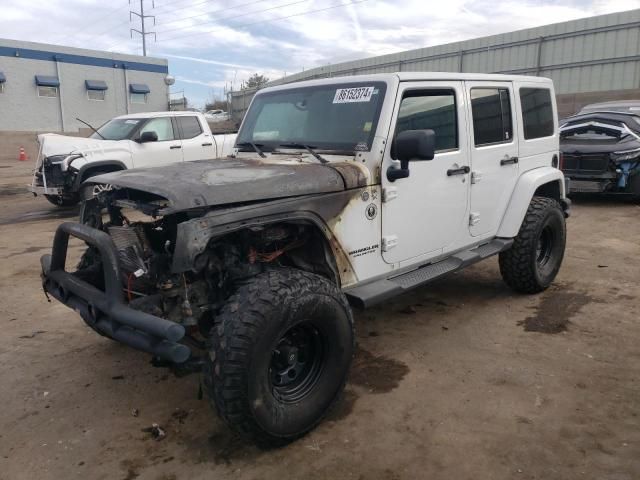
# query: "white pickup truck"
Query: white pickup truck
138,140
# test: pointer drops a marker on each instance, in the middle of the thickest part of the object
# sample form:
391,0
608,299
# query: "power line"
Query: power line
308,12
269,20
90,24
212,12
234,16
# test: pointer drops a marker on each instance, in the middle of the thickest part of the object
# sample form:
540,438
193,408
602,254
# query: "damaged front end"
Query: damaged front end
127,286
601,152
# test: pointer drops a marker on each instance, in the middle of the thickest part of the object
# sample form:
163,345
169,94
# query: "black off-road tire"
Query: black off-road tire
533,261
241,374
68,200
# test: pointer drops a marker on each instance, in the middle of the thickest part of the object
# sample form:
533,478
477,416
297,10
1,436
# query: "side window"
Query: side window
46,91
190,127
162,127
491,111
537,112
430,109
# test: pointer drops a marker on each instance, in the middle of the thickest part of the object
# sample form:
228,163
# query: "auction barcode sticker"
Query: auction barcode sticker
351,95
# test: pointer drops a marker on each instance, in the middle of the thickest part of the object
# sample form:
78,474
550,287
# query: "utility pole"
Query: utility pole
143,32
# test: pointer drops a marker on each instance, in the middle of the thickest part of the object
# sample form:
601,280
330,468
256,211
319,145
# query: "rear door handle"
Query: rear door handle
207,144
509,161
458,171
175,146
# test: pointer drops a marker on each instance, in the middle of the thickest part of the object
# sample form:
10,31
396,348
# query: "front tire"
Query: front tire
533,261
279,356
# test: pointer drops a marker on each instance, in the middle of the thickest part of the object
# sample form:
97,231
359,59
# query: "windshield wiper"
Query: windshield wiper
255,146
308,148
91,127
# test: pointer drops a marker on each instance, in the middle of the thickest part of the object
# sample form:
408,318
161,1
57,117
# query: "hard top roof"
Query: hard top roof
414,76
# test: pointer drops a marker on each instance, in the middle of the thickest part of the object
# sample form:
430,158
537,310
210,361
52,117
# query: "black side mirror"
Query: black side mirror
411,146
148,137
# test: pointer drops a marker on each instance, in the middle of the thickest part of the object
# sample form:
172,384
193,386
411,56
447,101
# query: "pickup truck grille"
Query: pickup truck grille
585,164
54,175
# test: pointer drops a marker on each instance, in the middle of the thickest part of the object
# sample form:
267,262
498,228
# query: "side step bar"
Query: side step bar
372,293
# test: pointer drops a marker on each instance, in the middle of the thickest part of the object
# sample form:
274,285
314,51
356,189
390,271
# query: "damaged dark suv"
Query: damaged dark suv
601,148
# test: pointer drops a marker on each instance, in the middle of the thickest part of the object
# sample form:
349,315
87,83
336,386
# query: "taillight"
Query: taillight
555,163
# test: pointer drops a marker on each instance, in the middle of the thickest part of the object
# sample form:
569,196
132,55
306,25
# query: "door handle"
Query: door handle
175,146
509,161
458,171
207,144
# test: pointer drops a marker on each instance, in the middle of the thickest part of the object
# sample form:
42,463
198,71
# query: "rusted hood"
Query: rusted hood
234,180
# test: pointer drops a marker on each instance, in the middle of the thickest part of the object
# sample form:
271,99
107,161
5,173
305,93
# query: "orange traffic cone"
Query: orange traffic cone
23,155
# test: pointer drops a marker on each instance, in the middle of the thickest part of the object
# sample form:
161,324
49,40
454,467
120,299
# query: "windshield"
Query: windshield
329,117
117,129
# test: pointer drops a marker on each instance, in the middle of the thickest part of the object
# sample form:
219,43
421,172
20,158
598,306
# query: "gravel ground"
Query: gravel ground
462,379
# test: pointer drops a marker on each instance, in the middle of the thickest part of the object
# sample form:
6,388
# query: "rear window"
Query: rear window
190,127
537,112
491,111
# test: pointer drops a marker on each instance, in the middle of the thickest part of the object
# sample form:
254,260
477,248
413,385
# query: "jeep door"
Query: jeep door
494,153
427,211
167,149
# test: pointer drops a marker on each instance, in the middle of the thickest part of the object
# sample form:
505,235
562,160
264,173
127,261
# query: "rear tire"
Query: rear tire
533,261
279,355
68,200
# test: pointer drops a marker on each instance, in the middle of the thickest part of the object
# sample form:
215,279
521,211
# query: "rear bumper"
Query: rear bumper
106,311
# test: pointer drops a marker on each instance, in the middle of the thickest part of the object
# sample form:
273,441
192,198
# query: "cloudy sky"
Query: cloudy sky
212,43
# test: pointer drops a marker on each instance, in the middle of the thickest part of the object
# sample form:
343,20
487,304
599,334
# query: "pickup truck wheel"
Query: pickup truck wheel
63,200
533,261
279,355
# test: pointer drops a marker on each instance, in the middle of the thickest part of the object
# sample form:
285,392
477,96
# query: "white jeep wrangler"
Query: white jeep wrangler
341,192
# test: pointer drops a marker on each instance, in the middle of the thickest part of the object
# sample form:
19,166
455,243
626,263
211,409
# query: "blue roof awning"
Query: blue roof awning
139,88
2,78
95,84
47,81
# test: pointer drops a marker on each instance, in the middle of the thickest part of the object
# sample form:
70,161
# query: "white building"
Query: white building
46,87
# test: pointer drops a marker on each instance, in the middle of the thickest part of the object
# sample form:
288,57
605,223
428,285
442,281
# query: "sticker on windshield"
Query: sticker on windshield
352,95
131,122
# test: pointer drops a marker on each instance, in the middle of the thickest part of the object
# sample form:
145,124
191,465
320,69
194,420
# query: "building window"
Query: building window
47,86
491,110
430,109
537,112
138,92
96,89
138,97
96,95
45,91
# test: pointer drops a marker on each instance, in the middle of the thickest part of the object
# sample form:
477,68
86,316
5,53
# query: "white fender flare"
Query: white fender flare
523,192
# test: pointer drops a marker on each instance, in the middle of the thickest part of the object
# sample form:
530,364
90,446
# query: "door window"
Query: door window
491,111
162,127
537,112
430,109
190,127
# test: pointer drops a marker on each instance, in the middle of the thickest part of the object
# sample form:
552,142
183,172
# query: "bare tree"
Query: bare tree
255,81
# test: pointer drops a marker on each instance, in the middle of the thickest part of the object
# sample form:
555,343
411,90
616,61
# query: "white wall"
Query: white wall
22,110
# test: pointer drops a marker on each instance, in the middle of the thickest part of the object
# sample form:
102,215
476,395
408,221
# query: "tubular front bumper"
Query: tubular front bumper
106,311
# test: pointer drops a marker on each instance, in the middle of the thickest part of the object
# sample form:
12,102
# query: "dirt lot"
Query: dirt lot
460,380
